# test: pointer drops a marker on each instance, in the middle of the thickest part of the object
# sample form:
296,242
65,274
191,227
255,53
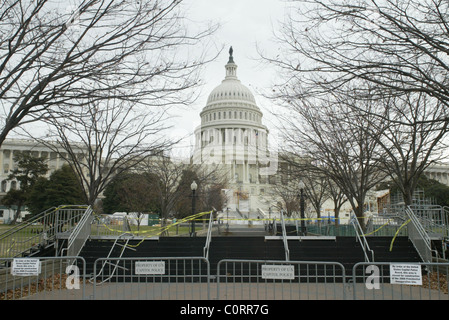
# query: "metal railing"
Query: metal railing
44,278
191,278
153,278
284,237
40,231
80,233
446,222
419,236
362,239
209,235
271,280
400,281
433,218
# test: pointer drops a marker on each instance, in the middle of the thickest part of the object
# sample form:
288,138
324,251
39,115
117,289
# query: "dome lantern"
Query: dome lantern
231,67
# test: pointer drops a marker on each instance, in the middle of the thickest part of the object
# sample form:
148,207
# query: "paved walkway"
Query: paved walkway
240,291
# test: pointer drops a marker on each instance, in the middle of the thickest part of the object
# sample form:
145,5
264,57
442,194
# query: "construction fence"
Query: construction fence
193,278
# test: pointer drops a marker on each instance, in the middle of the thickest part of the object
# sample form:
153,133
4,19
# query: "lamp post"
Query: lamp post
270,223
193,186
227,219
301,206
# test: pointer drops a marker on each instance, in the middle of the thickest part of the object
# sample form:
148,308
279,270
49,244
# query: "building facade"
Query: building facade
233,136
8,150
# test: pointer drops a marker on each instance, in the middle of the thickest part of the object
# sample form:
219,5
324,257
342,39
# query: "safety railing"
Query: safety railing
284,237
44,278
209,235
192,278
40,231
446,222
368,253
80,233
26,235
419,237
152,278
400,281
433,218
280,280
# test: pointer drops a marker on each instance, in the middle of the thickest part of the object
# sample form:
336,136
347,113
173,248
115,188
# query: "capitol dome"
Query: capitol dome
231,100
231,88
233,137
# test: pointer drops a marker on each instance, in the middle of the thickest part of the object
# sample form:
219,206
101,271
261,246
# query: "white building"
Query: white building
232,134
8,150
439,172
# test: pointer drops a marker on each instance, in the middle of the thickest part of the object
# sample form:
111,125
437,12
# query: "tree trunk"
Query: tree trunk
17,214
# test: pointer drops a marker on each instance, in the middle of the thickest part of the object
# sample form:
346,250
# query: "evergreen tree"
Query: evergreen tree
27,171
62,188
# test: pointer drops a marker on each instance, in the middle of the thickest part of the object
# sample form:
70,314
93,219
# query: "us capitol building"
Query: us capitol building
233,137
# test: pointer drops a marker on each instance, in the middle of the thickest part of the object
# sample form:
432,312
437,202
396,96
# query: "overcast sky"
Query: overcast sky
244,23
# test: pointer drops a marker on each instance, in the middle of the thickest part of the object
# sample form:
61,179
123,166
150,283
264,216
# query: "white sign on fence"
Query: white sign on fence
405,274
150,267
25,267
278,272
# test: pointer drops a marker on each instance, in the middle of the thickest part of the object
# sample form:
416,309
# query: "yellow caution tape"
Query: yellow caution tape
397,232
367,234
162,230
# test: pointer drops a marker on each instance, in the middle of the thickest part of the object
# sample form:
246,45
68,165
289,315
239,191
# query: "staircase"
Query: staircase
162,247
402,249
39,235
345,250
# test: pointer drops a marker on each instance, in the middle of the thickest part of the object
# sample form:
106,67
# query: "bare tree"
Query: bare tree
104,138
389,53
286,195
54,56
337,143
316,189
338,198
395,46
171,182
410,140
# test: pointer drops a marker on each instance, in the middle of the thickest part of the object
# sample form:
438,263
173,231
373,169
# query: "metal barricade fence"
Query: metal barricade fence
400,281
155,278
284,280
43,278
190,278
